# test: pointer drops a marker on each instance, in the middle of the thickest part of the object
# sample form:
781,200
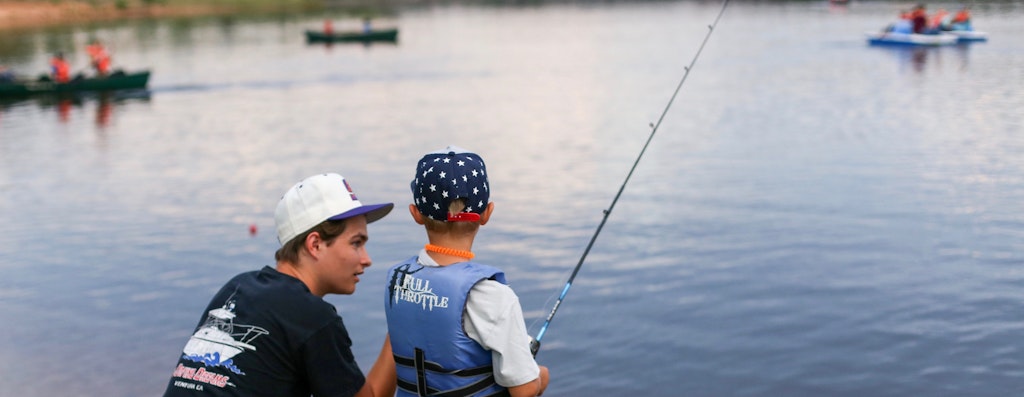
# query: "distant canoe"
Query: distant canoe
316,36
911,39
114,81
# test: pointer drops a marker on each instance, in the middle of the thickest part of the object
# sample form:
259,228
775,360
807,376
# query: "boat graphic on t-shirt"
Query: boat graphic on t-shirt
220,339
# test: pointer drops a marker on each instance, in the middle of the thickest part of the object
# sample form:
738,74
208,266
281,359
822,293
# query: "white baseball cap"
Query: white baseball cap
317,199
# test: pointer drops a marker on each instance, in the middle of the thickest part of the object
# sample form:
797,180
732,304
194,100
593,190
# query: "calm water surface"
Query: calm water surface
816,217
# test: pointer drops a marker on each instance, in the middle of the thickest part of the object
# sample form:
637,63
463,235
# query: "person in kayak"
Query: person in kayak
938,20
962,19
269,332
60,71
919,18
456,327
6,75
902,25
99,57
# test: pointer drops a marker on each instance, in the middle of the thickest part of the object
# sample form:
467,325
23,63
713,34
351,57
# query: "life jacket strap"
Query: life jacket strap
467,391
421,377
421,388
435,367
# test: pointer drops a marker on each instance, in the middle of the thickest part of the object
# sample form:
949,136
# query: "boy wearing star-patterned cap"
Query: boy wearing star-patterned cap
453,322
448,175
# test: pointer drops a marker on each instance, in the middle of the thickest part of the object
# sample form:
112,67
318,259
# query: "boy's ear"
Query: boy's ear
416,215
487,213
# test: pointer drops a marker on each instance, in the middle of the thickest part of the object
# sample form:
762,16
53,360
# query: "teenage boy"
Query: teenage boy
269,332
456,328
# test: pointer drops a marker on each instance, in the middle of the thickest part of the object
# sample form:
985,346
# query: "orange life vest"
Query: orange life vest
962,16
938,17
61,70
100,58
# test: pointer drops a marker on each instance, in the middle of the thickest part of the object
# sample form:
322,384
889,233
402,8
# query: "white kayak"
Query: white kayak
968,35
893,38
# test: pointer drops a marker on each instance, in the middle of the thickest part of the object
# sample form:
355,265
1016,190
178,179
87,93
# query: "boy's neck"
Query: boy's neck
462,243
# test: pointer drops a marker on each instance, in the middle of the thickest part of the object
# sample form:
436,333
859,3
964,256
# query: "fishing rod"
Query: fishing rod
535,342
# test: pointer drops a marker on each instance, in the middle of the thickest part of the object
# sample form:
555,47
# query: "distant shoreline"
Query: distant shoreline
31,14
16,15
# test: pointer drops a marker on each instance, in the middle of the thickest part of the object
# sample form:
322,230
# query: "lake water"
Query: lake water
815,216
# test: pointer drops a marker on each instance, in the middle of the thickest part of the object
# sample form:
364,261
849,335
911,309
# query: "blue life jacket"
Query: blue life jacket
433,354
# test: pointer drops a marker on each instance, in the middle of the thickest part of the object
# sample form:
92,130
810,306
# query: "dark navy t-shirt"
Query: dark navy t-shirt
265,334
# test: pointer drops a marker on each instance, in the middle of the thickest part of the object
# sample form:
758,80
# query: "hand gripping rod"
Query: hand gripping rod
535,342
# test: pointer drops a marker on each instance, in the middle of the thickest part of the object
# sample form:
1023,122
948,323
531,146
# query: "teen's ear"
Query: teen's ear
416,215
312,244
484,217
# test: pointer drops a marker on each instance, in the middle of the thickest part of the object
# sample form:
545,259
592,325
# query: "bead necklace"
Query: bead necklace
449,251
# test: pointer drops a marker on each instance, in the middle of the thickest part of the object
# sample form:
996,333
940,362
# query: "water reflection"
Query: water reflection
329,46
64,106
916,58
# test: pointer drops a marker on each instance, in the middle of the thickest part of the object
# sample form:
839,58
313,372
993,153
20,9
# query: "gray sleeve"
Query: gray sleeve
494,319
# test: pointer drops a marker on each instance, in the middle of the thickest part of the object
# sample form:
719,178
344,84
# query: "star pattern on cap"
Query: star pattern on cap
445,176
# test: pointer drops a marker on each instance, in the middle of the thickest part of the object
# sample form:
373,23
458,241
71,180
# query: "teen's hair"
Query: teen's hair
455,207
329,231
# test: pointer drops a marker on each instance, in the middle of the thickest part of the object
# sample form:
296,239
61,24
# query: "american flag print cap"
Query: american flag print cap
448,174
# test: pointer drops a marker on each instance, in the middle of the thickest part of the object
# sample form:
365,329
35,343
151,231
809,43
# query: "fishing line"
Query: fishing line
535,342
